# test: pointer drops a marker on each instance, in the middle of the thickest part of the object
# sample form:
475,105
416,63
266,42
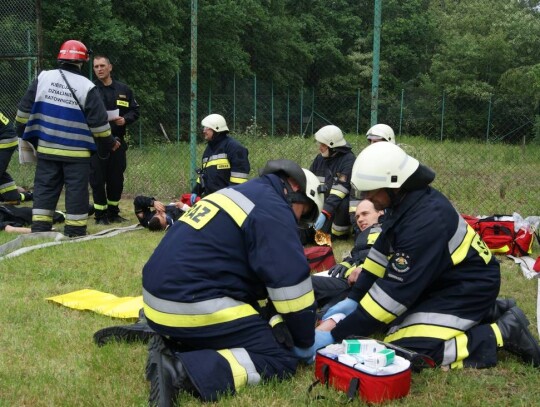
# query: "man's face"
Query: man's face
379,198
162,216
208,133
323,149
102,68
366,215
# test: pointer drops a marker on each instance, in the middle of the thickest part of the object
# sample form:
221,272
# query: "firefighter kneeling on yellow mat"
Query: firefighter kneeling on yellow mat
429,281
203,284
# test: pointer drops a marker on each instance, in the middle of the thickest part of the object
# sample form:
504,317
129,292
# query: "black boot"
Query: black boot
165,372
517,338
500,307
137,332
101,217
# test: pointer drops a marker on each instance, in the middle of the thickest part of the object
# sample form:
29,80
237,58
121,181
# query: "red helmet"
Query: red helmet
73,50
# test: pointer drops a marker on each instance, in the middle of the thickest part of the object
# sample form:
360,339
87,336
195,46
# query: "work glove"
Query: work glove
192,199
306,355
319,223
346,306
339,270
322,339
281,331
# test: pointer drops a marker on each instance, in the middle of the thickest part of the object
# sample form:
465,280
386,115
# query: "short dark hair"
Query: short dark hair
101,56
154,224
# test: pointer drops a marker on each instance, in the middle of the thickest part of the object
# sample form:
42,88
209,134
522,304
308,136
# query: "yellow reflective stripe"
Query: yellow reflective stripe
10,187
461,251
237,180
10,144
372,237
462,352
100,207
122,103
340,231
276,319
500,250
338,193
198,320
424,331
3,118
373,268
41,218
100,134
238,371
375,310
65,153
298,304
229,206
498,334
220,162
113,203
80,222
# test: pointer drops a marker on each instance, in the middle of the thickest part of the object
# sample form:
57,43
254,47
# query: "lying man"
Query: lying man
161,217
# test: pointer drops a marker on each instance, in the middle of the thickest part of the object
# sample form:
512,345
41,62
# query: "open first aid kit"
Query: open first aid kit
364,367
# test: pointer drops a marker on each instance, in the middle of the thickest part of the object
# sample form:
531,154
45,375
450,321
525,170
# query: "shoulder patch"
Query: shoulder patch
400,262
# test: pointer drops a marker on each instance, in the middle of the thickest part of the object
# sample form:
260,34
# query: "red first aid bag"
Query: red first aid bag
320,258
369,387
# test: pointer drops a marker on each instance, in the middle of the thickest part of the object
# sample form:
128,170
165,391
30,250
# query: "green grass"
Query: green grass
48,357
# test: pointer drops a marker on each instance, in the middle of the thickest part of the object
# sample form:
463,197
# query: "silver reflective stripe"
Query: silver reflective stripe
8,140
214,157
241,355
340,228
291,292
45,212
189,308
7,184
377,257
371,177
385,301
61,122
450,352
321,180
340,188
76,217
440,320
239,199
63,134
458,237
239,174
22,114
43,143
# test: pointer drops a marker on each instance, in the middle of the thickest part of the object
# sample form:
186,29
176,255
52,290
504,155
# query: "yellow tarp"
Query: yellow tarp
100,302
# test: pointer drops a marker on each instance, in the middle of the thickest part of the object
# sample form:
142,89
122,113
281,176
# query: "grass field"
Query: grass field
47,356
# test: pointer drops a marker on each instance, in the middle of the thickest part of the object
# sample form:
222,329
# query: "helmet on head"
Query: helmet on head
309,191
215,122
381,132
331,136
73,51
382,165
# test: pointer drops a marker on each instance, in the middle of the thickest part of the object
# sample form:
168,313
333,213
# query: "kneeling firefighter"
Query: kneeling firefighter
203,283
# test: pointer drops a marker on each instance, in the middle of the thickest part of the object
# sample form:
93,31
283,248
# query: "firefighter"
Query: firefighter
333,168
429,279
9,192
202,285
63,116
224,162
161,217
381,132
107,175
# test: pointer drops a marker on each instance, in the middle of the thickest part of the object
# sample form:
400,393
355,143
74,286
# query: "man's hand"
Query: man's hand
339,270
120,121
319,223
116,144
192,199
281,332
159,207
354,276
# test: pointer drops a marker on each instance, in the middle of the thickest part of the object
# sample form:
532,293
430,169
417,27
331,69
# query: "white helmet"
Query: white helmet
381,132
382,165
331,136
215,122
310,186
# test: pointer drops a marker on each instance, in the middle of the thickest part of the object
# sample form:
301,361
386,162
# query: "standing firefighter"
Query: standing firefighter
202,285
333,167
429,280
224,162
63,116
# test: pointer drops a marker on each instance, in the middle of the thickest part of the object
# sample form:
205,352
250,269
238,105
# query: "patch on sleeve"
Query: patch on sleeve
400,262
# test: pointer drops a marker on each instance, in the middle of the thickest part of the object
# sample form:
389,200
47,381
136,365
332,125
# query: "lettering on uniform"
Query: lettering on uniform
200,214
398,278
4,119
223,166
122,103
400,262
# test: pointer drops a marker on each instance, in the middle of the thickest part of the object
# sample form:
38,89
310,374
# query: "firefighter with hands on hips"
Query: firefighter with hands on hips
63,115
329,291
333,168
203,283
429,279
161,217
9,193
107,174
224,162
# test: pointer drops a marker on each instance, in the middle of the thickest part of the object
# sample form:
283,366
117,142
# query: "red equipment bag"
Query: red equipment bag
320,258
370,388
498,233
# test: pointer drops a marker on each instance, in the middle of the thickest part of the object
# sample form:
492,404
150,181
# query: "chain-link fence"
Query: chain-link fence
479,147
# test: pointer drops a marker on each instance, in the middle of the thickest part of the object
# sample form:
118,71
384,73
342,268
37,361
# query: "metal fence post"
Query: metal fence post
210,100
312,108
401,111
442,115
288,112
178,106
234,102
302,111
255,103
272,106
488,118
358,111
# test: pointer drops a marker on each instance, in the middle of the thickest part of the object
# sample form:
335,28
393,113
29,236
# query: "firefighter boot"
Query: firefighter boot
101,217
500,307
137,332
113,214
165,372
517,338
